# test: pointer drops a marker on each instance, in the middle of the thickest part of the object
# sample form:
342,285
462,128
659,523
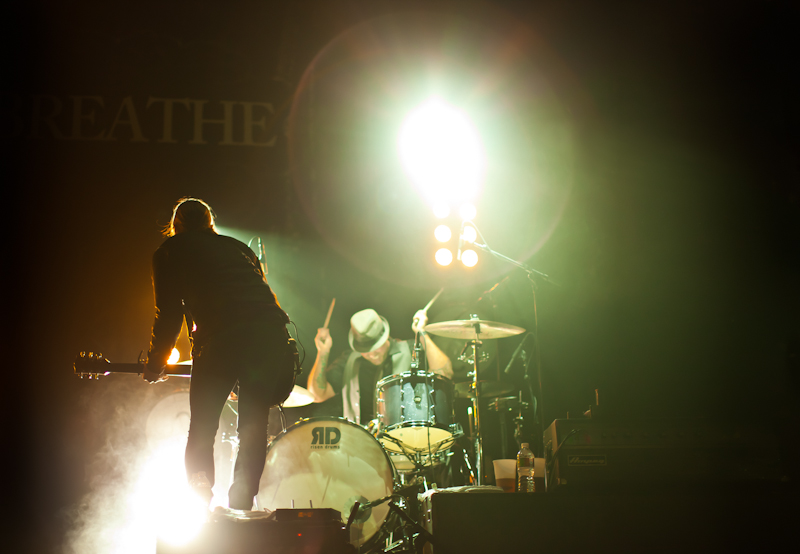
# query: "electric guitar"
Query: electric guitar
93,366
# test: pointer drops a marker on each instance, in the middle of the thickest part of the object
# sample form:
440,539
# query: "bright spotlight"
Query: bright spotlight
468,211
470,235
444,256
165,495
441,211
469,258
174,356
442,153
442,233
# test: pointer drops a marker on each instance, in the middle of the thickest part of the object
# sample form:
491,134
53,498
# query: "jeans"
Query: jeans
254,355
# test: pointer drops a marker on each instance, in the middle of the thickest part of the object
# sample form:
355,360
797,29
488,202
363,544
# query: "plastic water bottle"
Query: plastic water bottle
525,481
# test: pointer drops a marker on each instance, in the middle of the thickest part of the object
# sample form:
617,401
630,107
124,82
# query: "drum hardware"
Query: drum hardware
474,329
489,389
466,357
412,534
509,404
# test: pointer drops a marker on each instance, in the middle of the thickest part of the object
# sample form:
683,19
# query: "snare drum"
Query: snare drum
415,409
404,465
329,462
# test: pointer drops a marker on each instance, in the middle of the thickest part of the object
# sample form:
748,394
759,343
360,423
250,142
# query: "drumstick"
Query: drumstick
330,311
425,309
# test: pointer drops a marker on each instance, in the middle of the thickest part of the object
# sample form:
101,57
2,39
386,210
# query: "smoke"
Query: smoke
133,425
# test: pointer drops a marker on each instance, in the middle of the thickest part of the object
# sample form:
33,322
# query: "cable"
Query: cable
552,461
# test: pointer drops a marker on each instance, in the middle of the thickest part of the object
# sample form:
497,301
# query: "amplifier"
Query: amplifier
585,452
667,521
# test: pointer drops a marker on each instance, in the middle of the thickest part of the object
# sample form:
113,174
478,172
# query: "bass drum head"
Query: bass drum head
328,462
168,420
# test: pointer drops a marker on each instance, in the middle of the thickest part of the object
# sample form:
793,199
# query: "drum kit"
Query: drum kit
329,462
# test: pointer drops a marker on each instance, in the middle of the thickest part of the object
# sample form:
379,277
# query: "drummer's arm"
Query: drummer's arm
318,384
438,361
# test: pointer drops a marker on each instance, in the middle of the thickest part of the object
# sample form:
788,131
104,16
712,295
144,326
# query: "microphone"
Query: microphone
461,239
515,354
263,257
261,254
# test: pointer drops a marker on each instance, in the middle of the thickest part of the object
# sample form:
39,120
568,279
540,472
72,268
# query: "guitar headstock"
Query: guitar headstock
90,365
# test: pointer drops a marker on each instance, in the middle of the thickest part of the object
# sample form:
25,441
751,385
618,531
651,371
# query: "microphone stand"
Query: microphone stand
531,273
529,270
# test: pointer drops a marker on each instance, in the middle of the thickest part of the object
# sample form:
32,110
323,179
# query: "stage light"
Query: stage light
469,258
442,153
469,234
174,356
441,210
443,233
468,211
444,256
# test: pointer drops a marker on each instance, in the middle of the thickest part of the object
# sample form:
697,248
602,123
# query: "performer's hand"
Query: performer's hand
155,375
420,321
323,340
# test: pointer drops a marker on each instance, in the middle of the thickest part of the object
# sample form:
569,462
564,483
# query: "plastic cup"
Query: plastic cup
505,474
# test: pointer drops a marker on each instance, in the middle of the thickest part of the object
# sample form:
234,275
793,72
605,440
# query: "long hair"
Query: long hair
190,214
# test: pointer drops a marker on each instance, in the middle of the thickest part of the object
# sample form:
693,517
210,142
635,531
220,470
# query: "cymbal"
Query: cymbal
489,389
298,397
473,328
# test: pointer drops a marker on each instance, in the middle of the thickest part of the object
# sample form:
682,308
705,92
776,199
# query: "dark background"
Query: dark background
673,229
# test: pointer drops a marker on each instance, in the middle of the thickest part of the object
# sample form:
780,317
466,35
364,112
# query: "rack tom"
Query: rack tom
415,411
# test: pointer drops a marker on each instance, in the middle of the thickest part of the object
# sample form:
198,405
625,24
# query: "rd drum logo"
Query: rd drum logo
325,438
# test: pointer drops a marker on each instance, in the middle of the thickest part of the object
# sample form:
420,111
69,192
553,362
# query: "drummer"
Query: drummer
375,355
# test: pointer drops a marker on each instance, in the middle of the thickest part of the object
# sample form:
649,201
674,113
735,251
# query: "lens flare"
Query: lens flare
174,356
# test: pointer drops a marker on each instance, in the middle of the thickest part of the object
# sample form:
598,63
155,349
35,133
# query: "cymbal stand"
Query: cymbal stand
519,420
476,402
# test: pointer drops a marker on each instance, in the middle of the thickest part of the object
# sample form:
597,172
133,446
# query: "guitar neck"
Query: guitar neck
176,370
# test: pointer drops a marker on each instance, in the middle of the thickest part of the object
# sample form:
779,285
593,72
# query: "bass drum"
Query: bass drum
328,462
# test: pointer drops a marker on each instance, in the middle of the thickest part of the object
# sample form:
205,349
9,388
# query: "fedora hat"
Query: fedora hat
368,331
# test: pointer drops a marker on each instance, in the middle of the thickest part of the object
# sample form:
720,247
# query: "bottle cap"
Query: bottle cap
525,445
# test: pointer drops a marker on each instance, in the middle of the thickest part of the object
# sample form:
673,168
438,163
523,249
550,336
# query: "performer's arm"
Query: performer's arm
168,319
438,361
318,384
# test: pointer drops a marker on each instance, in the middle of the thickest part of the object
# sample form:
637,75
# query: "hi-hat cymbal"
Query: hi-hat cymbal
473,328
489,389
298,397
